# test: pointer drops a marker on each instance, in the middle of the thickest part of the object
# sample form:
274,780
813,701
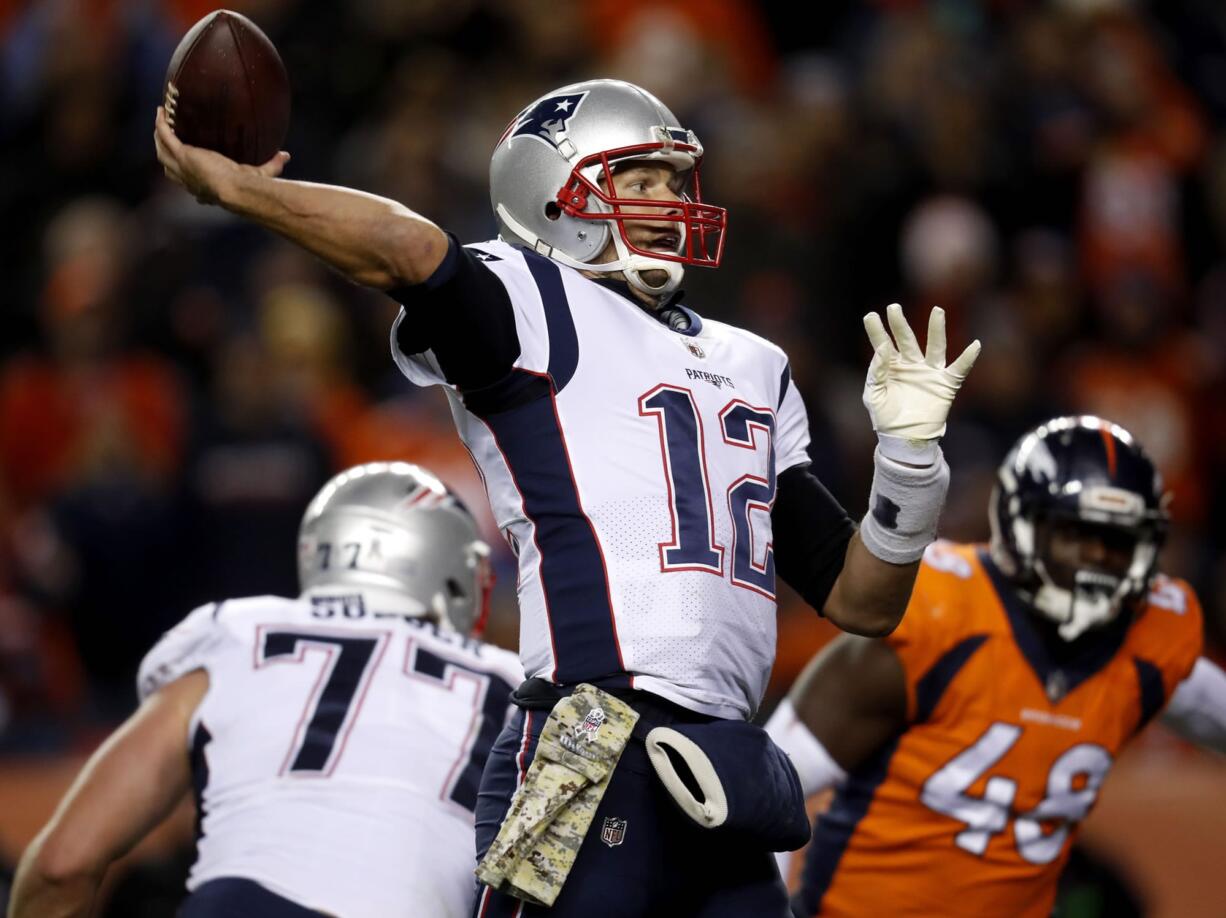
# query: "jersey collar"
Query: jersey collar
664,313
1059,674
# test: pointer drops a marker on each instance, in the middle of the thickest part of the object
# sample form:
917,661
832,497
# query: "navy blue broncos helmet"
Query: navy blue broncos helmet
1086,469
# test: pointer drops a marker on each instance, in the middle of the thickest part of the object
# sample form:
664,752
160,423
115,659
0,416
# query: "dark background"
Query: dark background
174,385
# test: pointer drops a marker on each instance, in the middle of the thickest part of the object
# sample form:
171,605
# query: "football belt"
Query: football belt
550,814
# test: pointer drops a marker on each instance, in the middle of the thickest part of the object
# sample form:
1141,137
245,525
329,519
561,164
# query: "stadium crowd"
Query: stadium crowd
175,385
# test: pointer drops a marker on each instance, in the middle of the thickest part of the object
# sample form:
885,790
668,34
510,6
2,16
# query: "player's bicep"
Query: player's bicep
130,784
853,697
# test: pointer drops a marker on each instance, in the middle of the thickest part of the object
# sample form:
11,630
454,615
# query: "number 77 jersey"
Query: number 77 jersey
632,467
971,809
337,754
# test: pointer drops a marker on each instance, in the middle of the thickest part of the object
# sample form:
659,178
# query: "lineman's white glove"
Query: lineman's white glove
908,394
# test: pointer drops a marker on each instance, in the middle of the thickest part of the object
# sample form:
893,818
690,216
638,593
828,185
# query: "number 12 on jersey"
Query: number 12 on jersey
693,546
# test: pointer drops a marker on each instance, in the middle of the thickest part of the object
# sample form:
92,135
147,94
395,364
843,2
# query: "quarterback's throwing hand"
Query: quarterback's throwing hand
907,392
202,172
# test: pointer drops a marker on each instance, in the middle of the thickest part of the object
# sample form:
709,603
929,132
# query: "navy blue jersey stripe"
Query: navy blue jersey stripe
931,687
1153,692
563,340
493,712
573,574
835,827
785,380
240,896
200,774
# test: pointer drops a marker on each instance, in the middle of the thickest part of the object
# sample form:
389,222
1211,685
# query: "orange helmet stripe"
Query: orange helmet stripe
1109,444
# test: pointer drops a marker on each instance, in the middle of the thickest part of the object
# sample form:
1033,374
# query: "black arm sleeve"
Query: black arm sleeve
462,313
811,532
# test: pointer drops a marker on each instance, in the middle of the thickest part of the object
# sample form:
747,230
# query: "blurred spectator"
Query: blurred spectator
1151,132
949,253
685,51
173,386
88,405
91,433
1149,374
253,464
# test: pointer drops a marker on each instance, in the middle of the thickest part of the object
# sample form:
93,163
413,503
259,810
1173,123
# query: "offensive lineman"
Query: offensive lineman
334,742
967,746
648,466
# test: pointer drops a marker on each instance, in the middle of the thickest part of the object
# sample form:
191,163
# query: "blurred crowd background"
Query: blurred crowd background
175,385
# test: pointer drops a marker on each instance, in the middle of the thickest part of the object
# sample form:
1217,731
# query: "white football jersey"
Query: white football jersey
337,753
632,469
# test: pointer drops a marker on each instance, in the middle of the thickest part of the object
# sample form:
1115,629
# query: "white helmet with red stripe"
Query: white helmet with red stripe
393,534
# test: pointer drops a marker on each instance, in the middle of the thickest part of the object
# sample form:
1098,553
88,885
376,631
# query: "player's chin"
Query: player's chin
654,277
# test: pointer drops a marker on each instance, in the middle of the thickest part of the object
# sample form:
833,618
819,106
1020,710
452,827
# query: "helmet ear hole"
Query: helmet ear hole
552,210
455,589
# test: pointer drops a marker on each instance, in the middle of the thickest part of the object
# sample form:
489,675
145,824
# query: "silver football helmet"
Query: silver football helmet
393,534
547,193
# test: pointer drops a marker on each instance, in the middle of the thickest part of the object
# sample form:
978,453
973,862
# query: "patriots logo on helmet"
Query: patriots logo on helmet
547,120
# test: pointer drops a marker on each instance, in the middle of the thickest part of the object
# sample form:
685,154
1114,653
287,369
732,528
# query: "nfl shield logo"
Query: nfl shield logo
695,350
613,832
591,725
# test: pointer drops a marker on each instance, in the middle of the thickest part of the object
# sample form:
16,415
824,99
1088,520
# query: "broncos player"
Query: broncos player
648,466
334,741
967,746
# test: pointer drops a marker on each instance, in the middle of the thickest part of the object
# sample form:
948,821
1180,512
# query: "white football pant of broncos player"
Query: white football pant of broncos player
334,741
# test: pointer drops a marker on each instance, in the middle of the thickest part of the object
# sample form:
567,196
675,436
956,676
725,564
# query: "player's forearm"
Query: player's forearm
372,240
47,888
129,785
870,595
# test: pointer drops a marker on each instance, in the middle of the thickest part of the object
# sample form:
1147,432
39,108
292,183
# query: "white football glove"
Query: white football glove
908,393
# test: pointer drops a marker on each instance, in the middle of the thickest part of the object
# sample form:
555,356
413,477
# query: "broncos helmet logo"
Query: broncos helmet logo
547,120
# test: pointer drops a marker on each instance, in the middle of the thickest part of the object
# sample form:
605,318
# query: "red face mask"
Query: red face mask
700,226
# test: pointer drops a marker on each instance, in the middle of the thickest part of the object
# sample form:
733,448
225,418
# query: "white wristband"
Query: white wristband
905,503
815,766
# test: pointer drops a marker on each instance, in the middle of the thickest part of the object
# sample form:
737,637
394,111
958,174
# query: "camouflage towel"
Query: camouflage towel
553,808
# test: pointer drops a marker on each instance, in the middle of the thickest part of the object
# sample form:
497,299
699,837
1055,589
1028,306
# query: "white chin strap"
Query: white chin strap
1095,600
630,265
633,266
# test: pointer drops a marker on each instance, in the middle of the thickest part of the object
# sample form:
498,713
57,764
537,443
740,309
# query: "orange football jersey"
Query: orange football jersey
971,809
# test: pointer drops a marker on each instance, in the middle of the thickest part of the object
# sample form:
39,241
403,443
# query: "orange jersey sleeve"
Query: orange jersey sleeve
1165,643
946,609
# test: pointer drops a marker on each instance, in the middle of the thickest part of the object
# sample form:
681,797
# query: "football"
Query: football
227,89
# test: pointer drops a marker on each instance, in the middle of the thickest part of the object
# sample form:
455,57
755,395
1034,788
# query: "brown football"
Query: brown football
227,90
